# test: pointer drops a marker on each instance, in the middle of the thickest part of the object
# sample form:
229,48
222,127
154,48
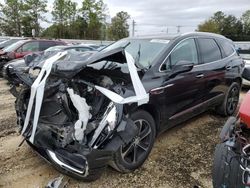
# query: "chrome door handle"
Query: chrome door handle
200,76
228,67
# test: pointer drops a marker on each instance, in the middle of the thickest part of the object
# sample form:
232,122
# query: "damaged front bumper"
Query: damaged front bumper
80,165
82,161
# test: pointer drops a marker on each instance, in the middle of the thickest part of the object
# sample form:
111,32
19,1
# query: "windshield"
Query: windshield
13,46
245,56
8,42
144,51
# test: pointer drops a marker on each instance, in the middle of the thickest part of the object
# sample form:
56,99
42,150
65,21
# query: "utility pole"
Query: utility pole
178,28
133,28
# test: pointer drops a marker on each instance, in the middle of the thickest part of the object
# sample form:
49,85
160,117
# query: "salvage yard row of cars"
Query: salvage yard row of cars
84,110
16,48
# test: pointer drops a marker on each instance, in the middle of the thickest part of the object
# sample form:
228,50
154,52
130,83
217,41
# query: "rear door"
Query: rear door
213,67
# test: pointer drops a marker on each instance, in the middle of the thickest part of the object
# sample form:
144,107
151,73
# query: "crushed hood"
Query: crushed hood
68,68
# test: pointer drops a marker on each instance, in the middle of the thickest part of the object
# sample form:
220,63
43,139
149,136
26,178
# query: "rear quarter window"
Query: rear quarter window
209,50
46,44
227,47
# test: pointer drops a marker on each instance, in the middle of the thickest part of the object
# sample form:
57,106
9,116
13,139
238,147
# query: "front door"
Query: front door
183,93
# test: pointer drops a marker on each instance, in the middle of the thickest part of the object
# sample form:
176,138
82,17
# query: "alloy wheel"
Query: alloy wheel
137,149
233,99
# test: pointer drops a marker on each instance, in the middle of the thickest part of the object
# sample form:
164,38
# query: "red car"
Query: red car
24,47
231,166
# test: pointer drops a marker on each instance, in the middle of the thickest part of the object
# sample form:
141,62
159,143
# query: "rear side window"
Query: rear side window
46,44
209,50
227,47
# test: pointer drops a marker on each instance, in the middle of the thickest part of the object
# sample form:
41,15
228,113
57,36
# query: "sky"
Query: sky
163,16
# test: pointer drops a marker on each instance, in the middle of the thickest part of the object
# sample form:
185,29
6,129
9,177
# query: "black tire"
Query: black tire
121,161
230,103
226,168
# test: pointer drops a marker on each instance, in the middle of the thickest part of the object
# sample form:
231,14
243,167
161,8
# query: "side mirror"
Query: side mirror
181,67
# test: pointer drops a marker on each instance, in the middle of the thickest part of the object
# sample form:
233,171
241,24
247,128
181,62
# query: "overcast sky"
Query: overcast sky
162,16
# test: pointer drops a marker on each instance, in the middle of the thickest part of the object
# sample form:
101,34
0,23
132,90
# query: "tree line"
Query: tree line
87,21
228,25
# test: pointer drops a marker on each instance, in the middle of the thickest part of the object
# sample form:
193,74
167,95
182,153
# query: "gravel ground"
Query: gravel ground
181,157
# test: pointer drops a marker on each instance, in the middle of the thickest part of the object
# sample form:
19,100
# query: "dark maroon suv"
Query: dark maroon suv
82,112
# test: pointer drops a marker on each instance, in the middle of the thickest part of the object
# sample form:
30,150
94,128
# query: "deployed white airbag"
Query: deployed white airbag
83,114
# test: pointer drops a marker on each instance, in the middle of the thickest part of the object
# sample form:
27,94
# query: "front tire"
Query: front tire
230,103
226,168
132,156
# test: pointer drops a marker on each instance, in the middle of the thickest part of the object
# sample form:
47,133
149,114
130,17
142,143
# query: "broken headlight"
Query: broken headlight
106,126
111,118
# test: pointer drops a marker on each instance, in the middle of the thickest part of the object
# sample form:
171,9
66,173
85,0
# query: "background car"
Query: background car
78,48
24,47
8,42
245,54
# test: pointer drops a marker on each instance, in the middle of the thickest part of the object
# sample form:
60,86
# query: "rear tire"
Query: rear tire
132,156
230,103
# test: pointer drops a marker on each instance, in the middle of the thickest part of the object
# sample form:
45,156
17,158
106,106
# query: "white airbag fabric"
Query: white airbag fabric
83,114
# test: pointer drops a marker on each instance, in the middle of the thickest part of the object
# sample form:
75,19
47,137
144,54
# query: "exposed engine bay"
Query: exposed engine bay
76,122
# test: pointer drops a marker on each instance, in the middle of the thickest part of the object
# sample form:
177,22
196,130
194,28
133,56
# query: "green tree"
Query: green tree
209,26
246,22
64,16
218,18
227,25
34,13
60,14
232,27
94,12
11,18
119,27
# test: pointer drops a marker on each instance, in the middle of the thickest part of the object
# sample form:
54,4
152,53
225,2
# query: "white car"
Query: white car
246,72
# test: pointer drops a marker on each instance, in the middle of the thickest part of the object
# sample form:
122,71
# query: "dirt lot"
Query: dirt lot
181,157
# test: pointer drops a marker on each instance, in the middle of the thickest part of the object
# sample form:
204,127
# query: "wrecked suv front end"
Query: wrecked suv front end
73,114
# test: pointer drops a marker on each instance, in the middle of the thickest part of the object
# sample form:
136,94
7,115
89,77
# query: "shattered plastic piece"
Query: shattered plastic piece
56,183
83,113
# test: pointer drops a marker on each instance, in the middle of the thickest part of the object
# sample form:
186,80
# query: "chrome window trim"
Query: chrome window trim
194,37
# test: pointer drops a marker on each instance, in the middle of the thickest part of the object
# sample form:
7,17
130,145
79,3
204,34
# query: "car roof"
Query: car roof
174,36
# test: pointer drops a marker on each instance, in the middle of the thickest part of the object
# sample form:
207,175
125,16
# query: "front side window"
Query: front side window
184,51
30,47
210,51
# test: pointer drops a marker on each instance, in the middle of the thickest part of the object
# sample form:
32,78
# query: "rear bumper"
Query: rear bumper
78,164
